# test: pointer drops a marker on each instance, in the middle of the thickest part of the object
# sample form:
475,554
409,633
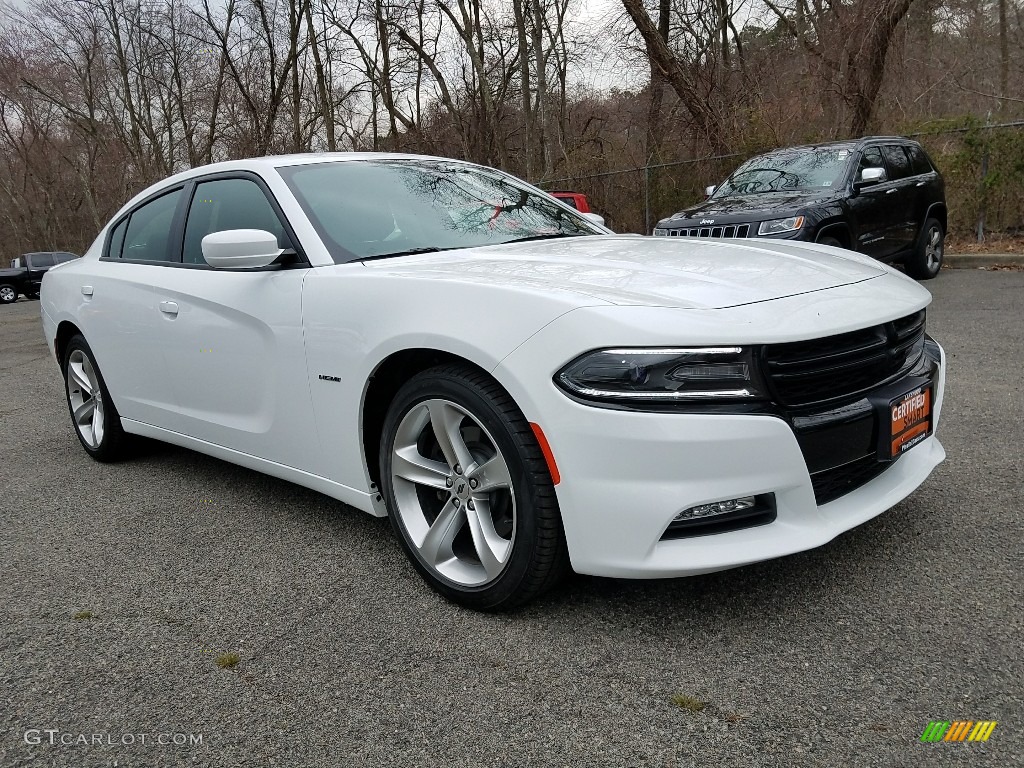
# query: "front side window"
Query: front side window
41,261
148,233
802,169
872,158
377,208
224,204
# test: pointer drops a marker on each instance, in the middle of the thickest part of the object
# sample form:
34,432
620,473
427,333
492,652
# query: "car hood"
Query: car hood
768,203
646,271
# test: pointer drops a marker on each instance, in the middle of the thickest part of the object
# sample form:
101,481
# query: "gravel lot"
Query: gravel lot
839,656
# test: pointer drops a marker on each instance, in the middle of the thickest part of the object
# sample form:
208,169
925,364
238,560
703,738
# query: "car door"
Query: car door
120,308
233,339
903,195
923,177
37,264
871,208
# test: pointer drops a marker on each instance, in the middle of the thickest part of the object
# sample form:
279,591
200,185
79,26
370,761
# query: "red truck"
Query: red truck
579,202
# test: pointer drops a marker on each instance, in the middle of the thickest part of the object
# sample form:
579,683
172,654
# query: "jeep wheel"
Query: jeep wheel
927,259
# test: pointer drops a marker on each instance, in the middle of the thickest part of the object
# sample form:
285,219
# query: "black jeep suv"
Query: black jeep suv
880,195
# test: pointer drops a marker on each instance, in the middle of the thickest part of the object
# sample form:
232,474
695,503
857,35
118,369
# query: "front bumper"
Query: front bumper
626,474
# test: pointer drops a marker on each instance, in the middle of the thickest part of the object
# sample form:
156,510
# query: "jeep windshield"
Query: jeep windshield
384,208
803,169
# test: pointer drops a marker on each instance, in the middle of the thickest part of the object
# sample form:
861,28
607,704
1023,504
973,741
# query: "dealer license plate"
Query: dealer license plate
910,420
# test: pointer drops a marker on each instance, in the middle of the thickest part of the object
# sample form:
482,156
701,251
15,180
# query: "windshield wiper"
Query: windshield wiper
549,236
409,252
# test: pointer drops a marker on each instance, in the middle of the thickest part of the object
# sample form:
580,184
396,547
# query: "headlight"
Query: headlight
660,232
666,375
777,226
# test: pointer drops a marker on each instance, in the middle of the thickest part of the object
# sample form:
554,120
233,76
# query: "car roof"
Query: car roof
272,162
269,162
850,144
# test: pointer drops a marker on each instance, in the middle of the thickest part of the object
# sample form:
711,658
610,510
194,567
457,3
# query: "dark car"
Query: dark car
26,274
879,195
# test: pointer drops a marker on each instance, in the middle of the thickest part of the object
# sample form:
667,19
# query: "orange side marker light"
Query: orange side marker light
545,449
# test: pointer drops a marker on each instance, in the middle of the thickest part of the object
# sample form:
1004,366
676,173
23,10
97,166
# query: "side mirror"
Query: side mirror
240,249
709,191
871,176
594,217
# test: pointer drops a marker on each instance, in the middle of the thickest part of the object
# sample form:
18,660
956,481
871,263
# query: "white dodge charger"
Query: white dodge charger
518,389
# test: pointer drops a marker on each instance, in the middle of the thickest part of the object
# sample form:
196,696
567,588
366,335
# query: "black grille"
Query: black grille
834,367
830,484
730,230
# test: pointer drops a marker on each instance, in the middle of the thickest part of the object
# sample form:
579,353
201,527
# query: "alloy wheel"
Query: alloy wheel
454,494
7,294
933,249
85,397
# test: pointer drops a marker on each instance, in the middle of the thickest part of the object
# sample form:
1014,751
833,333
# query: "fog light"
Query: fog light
716,508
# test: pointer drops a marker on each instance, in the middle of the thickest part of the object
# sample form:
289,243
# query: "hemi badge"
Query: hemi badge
329,378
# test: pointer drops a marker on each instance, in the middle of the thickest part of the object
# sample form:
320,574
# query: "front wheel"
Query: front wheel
8,293
469,492
93,414
927,259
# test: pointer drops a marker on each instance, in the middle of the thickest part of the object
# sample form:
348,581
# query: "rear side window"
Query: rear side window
117,240
898,162
918,161
148,235
568,200
41,261
228,204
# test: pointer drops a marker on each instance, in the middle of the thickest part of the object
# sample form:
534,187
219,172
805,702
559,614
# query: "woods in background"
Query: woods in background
100,98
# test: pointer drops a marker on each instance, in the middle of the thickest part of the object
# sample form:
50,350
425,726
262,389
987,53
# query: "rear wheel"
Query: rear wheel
927,259
468,491
93,414
8,293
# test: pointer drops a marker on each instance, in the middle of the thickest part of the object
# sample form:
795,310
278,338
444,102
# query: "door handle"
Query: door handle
87,290
890,191
169,308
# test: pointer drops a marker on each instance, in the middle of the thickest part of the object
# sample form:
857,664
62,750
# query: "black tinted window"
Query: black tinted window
60,258
918,162
896,159
228,204
148,235
40,261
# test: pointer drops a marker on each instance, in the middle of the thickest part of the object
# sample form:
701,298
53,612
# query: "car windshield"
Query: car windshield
817,168
377,208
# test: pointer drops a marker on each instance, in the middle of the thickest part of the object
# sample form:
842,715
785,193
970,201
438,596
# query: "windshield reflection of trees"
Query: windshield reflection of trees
789,171
472,202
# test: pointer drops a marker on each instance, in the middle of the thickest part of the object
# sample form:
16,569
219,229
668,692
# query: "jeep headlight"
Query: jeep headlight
666,375
778,226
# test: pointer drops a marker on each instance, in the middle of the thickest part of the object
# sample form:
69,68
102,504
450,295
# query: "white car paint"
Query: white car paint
235,369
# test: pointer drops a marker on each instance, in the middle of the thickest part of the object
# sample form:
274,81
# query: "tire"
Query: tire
831,241
477,518
926,261
8,293
97,423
